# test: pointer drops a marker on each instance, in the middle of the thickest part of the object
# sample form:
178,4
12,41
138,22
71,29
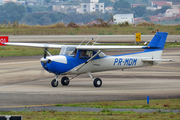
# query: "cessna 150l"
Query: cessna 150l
80,59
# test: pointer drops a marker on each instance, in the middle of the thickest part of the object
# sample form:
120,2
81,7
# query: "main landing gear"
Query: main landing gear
65,81
97,82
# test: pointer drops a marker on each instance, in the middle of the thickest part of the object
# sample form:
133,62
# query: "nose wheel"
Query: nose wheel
54,83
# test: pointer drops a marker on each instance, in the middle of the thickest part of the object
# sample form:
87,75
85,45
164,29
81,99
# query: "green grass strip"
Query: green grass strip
134,104
54,115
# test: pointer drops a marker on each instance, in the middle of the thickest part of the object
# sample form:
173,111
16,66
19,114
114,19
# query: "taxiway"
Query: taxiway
23,82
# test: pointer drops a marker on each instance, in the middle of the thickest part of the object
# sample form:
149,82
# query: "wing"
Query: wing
39,45
82,47
4,40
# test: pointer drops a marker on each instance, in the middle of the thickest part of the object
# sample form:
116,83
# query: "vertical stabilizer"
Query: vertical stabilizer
158,42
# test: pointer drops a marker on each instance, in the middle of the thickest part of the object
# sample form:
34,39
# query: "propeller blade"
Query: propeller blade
45,53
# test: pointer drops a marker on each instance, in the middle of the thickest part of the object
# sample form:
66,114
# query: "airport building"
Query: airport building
93,6
120,18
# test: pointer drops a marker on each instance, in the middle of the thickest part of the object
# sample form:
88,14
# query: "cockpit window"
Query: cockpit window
101,54
70,51
85,54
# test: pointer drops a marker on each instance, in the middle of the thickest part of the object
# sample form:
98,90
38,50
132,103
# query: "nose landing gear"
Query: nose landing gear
54,82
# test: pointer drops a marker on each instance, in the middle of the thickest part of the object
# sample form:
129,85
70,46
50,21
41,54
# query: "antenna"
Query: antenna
96,40
82,41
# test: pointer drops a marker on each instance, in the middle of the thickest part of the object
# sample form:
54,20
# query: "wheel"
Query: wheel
65,81
54,83
97,82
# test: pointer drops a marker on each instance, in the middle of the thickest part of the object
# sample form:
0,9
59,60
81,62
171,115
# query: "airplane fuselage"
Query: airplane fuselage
63,64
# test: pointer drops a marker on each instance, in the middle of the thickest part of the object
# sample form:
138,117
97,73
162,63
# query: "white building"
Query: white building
93,6
154,5
172,12
21,2
7,1
10,1
120,18
66,8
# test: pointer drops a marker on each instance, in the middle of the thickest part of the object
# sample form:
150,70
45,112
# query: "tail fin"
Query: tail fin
158,42
3,39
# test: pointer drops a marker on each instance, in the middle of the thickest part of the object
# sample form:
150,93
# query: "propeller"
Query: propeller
45,60
45,53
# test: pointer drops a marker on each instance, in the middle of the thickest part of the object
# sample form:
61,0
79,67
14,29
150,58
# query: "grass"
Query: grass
8,51
150,28
87,30
177,28
103,115
106,113
135,104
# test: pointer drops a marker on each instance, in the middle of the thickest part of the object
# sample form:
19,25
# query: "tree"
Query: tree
139,11
147,19
11,12
47,1
121,4
138,1
106,2
29,9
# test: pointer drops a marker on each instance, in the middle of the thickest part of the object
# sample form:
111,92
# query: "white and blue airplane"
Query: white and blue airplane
80,59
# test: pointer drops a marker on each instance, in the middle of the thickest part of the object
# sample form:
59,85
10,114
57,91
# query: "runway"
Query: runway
23,82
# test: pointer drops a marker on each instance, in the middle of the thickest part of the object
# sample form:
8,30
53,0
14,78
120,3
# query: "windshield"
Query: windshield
66,50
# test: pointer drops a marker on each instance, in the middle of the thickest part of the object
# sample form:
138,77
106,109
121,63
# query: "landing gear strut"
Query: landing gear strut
97,82
54,82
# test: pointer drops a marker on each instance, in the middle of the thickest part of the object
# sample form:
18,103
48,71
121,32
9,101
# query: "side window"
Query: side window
85,54
74,52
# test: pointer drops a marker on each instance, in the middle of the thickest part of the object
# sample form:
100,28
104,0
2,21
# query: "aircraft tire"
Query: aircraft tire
54,83
63,82
97,82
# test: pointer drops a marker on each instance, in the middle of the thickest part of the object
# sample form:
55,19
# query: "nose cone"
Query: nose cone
44,60
54,64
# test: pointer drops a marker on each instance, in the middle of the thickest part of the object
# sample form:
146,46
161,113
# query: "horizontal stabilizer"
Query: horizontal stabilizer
154,60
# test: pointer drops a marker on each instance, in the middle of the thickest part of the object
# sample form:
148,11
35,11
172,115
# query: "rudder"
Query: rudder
158,41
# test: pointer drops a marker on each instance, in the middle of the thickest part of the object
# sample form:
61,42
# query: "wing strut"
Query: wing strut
96,41
82,41
88,60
